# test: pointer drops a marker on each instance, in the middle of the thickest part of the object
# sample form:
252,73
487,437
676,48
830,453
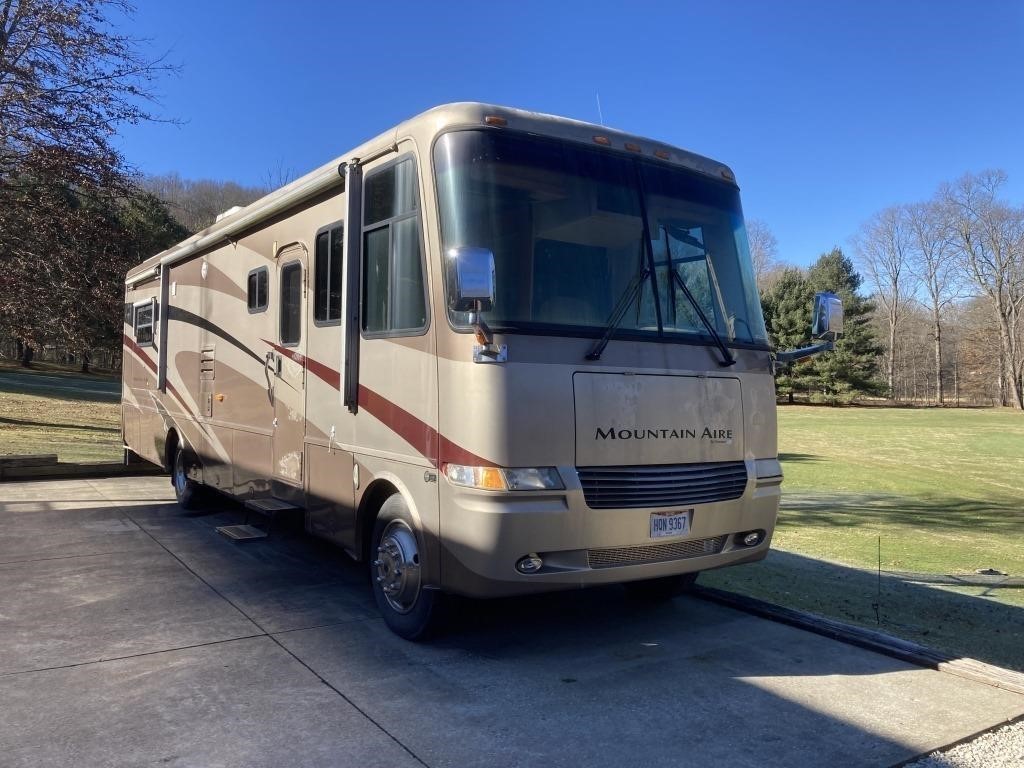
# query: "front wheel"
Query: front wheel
663,588
186,490
396,567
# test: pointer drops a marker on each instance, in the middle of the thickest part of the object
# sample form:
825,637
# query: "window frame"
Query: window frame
266,304
417,215
316,272
136,306
280,316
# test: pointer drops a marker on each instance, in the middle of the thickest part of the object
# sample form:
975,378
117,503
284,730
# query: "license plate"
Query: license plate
669,524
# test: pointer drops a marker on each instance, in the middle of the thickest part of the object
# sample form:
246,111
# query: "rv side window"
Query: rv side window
257,293
144,317
327,289
291,304
394,300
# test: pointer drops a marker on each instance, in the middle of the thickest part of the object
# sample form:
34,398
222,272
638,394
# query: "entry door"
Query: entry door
289,366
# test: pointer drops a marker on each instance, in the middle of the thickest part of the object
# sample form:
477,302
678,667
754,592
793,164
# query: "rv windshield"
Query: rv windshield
565,223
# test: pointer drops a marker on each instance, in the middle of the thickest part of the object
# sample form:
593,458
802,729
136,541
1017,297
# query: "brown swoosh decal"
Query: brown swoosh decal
437,448
129,343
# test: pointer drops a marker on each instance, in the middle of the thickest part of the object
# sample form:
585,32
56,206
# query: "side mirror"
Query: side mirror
826,325
470,273
827,318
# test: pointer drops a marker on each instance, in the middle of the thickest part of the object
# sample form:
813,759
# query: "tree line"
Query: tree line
935,313
949,261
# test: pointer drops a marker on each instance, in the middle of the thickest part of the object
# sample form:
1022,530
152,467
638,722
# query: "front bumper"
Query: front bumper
484,534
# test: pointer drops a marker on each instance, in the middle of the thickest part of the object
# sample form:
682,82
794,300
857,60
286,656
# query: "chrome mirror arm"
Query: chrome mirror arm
795,355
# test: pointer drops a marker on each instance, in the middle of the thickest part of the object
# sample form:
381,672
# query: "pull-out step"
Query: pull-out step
271,507
241,532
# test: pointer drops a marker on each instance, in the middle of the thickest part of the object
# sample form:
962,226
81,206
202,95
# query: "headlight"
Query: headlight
499,479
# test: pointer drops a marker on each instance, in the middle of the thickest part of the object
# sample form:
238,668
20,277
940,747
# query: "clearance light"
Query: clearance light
604,141
632,147
662,154
728,175
500,479
500,122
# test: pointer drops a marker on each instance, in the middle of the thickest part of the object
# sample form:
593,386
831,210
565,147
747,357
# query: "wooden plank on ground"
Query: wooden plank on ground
27,459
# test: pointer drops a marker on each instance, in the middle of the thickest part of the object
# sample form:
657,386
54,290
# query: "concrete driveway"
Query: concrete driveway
132,634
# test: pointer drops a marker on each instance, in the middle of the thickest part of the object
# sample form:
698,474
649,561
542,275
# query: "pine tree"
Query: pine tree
787,314
852,368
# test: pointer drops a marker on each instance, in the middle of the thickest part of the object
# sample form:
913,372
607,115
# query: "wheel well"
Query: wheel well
373,499
170,446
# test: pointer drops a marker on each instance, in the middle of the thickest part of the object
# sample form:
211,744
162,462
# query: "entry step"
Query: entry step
241,532
270,507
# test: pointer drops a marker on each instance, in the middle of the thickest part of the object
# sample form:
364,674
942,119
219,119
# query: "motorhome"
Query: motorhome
487,352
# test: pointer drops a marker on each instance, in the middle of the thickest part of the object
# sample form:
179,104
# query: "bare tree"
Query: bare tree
764,248
278,176
883,253
68,79
196,203
989,239
931,252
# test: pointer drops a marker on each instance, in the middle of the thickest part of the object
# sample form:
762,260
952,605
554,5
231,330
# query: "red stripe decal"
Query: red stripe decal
129,342
437,448
321,371
415,432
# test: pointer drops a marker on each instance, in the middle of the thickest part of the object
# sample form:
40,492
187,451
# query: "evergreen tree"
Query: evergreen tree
852,368
787,314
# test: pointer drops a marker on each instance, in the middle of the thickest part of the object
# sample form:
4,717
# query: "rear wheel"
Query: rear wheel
186,490
663,588
396,568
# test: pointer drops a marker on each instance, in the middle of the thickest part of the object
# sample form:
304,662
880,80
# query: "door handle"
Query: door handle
267,363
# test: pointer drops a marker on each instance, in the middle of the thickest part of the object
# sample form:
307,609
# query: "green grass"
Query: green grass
943,488
75,429
934,491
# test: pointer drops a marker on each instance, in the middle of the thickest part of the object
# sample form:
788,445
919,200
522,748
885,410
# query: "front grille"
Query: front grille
654,553
665,485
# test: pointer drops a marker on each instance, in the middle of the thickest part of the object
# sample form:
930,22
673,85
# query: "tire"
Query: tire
664,588
187,491
396,565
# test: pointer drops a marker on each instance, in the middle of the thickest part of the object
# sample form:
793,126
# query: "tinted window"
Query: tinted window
375,281
393,288
390,193
257,290
327,301
291,304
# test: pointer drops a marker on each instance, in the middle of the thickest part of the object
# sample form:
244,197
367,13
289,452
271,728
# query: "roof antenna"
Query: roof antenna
600,116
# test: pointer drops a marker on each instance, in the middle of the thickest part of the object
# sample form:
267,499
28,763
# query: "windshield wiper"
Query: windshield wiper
727,358
624,303
686,237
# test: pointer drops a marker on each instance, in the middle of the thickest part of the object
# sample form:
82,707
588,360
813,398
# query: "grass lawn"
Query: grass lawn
943,488
76,417
940,491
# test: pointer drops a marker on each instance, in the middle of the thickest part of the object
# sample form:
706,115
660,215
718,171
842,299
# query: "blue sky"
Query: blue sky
826,110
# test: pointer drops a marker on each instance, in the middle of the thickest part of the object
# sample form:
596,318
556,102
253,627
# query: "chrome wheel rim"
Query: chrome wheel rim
397,567
180,478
